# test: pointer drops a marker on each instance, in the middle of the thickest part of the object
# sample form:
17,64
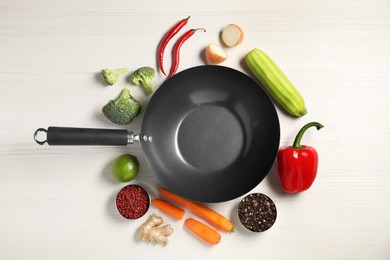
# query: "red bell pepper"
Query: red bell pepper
297,164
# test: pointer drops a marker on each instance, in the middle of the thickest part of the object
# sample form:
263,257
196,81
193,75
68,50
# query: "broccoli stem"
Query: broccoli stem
120,71
147,87
125,94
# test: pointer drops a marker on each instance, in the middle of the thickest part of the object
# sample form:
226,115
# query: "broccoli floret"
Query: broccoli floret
112,76
123,109
143,77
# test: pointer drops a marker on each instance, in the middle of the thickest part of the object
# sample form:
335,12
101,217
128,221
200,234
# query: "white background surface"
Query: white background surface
58,202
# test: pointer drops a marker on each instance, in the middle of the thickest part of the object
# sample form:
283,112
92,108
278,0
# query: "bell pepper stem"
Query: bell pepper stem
297,141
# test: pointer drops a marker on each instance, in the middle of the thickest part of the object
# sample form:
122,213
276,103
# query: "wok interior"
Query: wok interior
215,134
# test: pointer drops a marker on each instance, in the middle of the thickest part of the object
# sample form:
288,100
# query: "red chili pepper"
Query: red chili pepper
297,164
176,49
175,29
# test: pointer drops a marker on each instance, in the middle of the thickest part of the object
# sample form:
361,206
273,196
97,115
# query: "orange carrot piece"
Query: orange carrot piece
168,208
201,210
203,231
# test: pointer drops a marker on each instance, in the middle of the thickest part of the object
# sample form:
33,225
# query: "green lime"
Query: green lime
125,167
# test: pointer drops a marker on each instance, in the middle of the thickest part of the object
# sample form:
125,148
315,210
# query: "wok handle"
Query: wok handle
83,136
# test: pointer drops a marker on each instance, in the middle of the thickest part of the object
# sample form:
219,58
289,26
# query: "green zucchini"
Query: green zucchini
278,86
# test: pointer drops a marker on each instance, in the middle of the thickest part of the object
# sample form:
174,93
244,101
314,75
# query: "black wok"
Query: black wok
210,134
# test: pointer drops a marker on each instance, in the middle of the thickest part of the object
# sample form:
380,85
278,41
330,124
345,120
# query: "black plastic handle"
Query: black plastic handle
83,136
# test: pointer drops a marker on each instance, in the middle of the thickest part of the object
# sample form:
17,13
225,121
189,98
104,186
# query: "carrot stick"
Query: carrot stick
201,210
168,208
203,231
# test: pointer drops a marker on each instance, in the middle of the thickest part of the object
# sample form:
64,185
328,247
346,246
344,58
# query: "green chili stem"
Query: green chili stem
297,141
197,29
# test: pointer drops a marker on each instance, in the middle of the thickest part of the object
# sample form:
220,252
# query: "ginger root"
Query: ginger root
152,231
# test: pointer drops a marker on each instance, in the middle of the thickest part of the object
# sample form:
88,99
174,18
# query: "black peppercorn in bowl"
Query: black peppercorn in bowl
257,212
132,201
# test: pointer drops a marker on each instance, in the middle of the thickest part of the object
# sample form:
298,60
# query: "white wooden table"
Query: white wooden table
58,202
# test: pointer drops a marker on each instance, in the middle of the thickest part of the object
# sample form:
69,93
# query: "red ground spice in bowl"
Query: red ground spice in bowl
132,201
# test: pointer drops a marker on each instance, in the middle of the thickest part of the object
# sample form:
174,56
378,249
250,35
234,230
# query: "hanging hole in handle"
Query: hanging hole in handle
38,136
